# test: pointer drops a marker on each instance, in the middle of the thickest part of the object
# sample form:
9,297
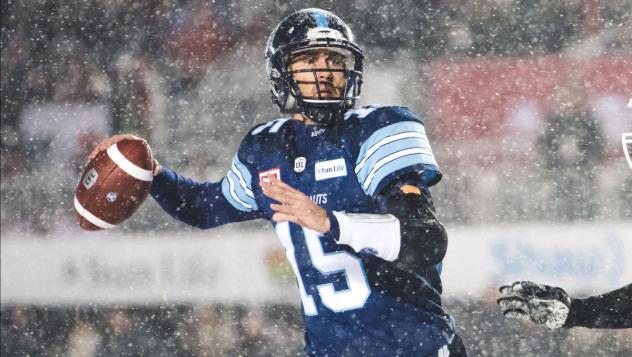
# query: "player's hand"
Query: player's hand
542,304
103,145
294,206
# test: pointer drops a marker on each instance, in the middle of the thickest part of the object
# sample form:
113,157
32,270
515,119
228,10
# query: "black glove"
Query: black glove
542,304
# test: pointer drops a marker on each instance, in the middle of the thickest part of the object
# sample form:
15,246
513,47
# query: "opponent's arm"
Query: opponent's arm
554,308
609,310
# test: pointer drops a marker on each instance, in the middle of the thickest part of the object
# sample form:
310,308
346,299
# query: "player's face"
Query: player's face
330,84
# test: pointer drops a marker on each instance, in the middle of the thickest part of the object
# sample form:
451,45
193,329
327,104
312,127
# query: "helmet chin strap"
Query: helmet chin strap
324,114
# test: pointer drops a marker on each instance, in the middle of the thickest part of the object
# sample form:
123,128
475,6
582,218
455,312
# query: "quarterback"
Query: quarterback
347,191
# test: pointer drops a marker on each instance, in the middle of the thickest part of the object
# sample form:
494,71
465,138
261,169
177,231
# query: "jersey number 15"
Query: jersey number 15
357,292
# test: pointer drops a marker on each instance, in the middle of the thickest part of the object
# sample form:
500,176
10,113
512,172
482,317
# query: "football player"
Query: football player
554,308
347,191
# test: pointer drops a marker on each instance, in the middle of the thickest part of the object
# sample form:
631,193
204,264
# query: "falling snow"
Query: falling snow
524,103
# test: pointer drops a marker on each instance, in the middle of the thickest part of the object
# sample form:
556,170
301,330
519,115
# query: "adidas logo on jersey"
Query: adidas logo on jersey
317,132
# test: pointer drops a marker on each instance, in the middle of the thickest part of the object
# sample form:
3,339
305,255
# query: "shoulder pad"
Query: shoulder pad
260,134
387,142
382,113
271,127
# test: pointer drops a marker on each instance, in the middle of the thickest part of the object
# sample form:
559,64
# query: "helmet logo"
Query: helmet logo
324,32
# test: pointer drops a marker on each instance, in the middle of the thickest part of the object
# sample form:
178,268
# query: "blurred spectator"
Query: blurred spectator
36,331
15,57
252,341
573,147
201,36
118,338
224,101
213,333
33,331
46,121
521,27
13,162
83,339
625,192
18,336
140,102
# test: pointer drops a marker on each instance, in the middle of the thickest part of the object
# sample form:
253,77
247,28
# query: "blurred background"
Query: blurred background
524,103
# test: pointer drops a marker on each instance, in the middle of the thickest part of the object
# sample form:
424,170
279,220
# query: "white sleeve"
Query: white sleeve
377,233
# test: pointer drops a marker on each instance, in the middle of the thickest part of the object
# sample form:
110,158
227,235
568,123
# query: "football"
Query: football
113,185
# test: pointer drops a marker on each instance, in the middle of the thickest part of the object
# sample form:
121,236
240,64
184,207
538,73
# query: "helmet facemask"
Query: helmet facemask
327,92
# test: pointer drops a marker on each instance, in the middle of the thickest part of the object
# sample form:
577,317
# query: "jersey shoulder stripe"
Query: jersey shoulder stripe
237,184
392,140
362,112
399,135
237,187
271,127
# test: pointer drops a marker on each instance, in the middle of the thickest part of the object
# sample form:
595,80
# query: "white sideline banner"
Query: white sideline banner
583,258
231,267
235,266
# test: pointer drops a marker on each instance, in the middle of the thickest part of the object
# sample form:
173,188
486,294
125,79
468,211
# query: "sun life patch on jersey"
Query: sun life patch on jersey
330,169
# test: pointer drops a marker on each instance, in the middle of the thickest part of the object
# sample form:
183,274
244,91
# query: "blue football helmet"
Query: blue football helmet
302,30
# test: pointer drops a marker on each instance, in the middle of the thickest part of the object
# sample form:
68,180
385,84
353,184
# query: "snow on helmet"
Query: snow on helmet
303,30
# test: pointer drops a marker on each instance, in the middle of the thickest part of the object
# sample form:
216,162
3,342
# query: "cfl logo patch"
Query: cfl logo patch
299,164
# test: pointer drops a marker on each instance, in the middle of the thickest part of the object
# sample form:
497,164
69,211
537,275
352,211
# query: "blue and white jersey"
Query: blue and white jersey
353,303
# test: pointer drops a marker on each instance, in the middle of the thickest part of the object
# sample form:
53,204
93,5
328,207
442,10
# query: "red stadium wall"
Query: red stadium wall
475,99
